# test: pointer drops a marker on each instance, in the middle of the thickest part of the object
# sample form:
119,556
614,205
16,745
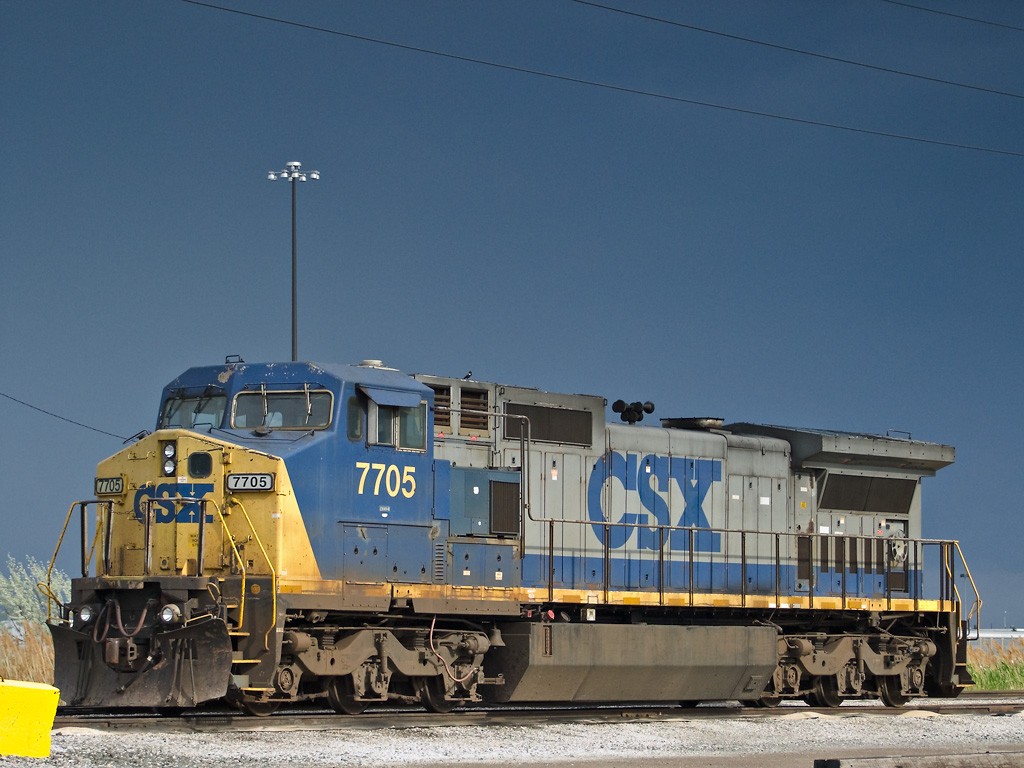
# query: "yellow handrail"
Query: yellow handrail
47,588
48,592
95,541
239,560
273,574
975,609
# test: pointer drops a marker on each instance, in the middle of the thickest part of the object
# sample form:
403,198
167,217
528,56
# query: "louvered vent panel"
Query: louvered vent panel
475,407
442,406
440,563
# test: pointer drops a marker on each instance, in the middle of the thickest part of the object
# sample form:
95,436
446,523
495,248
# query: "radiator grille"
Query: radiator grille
883,495
551,425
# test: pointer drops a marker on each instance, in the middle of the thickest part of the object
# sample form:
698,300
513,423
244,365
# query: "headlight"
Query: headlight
169,450
85,614
170,614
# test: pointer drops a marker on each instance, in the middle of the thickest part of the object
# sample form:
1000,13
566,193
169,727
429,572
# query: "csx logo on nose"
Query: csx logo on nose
654,479
162,501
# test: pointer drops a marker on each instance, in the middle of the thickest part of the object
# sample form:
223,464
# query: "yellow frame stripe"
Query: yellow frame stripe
672,599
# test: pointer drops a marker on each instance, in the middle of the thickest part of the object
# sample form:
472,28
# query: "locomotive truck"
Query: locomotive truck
296,531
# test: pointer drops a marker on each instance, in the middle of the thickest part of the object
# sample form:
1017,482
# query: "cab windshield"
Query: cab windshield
304,409
189,410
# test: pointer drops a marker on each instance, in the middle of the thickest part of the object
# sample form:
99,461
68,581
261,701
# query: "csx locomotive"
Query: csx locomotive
294,531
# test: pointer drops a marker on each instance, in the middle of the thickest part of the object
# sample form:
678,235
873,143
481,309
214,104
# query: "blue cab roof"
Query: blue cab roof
237,377
234,377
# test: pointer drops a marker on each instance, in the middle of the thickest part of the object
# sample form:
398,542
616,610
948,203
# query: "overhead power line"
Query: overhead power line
800,51
955,15
61,418
607,86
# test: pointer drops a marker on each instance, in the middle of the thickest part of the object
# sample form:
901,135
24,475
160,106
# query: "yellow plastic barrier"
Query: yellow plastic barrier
26,718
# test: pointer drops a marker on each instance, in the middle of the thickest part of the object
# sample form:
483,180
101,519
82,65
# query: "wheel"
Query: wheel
826,691
259,708
689,703
890,689
766,701
432,691
341,695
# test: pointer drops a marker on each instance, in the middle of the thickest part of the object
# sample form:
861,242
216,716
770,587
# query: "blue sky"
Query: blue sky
533,230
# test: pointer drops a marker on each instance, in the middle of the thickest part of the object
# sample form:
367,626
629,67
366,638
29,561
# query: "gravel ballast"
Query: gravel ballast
575,743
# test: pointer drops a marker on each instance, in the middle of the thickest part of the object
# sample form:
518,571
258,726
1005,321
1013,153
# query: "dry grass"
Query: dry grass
26,653
996,665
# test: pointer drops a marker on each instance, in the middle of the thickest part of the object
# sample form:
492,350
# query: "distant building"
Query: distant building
1004,636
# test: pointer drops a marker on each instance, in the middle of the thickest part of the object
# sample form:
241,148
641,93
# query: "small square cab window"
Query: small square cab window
405,428
412,427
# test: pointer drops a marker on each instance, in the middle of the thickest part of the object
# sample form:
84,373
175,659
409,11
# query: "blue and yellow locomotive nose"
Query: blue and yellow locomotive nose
188,538
180,503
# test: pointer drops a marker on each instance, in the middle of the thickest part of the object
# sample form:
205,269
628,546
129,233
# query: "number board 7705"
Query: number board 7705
250,481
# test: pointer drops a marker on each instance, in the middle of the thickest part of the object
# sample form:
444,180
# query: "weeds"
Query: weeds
997,666
26,648
26,652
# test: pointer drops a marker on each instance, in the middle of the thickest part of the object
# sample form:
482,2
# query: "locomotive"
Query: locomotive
297,531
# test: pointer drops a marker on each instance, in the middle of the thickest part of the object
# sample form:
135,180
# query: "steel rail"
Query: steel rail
307,718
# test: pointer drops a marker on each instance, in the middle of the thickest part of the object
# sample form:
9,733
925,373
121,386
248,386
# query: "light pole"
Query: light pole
293,172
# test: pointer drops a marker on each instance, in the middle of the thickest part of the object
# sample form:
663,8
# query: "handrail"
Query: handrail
910,565
270,565
241,566
47,589
975,609
88,553
48,592
524,462
950,552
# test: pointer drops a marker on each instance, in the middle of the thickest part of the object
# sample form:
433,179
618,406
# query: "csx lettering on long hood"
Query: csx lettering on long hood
651,478
166,510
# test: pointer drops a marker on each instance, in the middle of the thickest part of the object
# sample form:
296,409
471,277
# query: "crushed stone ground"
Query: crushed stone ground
626,744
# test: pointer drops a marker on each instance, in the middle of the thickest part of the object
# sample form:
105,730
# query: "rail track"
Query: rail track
317,719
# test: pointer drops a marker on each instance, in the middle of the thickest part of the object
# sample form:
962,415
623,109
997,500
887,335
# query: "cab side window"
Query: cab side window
412,428
403,428
356,418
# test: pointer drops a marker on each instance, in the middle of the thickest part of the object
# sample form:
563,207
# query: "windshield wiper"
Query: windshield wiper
204,398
